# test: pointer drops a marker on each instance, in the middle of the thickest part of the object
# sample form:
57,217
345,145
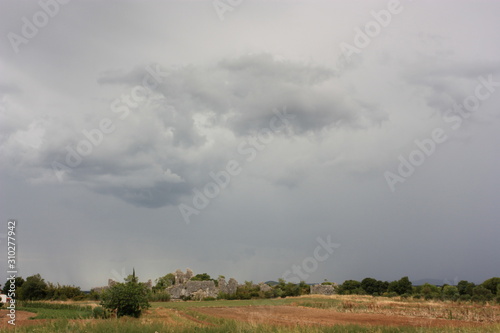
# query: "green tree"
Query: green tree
401,286
481,294
491,284
127,299
34,288
428,290
465,287
58,292
450,292
305,289
374,287
18,282
163,282
284,289
201,277
132,277
349,287
204,277
369,285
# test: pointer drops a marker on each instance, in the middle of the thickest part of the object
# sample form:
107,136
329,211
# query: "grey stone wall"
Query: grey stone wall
184,287
232,285
323,289
222,285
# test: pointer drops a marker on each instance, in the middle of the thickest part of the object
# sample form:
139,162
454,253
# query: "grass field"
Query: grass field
45,310
223,303
305,314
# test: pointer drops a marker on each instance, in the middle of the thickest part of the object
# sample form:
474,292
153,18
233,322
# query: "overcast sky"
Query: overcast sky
370,125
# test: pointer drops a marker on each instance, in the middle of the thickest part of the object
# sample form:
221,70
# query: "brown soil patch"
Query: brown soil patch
22,319
292,316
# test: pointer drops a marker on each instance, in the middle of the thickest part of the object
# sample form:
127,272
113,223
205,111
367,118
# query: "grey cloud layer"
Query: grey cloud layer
160,151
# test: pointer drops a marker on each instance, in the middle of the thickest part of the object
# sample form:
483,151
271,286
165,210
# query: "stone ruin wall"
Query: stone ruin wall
324,289
184,287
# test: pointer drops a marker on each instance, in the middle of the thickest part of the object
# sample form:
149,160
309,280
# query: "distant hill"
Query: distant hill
436,282
271,283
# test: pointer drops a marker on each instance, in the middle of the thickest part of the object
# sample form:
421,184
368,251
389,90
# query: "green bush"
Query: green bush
209,299
450,293
100,313
159,297
492,284
349,287
95,295
127,299
481,294
62,292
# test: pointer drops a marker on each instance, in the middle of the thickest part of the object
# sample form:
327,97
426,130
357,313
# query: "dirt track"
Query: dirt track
292,316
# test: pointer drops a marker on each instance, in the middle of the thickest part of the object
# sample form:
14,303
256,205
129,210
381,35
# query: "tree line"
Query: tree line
131,297
487,291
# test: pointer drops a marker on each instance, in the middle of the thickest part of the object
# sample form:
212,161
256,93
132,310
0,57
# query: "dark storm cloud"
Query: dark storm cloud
239,95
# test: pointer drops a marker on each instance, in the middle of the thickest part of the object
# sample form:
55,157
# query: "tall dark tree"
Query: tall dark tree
34,288
465,287
163,282
18,282
401,286
349,287
374,287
